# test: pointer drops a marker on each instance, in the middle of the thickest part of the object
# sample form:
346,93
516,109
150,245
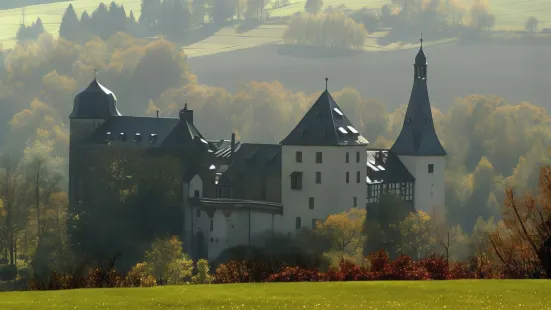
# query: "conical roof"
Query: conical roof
324,125
418,136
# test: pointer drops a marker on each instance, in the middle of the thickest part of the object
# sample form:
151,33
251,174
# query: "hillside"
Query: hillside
516,73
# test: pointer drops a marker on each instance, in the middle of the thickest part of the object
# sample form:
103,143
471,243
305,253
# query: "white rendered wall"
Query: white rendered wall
332,196
429,187
196,183
233,230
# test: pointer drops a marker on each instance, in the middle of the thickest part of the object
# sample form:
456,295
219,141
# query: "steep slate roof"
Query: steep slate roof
154,132
251,158
324,125
389,169
418,136
96,101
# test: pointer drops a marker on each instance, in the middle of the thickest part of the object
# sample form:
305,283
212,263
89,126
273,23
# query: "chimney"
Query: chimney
157,113
232,146
186,114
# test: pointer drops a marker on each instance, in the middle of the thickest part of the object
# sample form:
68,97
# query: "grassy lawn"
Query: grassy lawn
482,294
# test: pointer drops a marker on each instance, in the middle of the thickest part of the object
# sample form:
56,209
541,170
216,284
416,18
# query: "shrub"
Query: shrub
404,268
232,272
333,30
202,276
103,278
297,274
437,267
379,260
139,276
179,271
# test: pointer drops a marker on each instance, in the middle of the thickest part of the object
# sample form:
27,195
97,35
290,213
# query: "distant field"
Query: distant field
51,15
509,14
469,295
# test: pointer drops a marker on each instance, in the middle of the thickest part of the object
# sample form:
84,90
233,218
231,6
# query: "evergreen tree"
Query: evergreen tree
149,13
69,27
99,22
224,10
131,17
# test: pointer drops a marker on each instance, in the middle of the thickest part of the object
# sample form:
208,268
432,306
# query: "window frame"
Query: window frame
319,158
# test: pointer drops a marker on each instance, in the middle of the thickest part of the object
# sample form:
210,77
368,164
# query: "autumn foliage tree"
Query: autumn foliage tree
333,30
523,245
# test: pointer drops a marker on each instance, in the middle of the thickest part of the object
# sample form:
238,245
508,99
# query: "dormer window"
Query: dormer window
121,137
152,138
137,137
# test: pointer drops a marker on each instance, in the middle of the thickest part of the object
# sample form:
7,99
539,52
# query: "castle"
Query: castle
234,192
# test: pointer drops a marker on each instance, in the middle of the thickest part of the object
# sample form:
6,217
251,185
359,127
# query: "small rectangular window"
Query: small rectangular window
347,177
211,224
357,157
319,158
311,203
299,157
355,204
318,177
298,224
347,157
357,177
196,193
296,180
431,168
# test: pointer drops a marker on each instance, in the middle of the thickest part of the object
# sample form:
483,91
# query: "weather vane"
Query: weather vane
421,39
326,79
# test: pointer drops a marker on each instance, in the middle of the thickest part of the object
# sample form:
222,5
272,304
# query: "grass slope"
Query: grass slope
509,14
481,294
51,14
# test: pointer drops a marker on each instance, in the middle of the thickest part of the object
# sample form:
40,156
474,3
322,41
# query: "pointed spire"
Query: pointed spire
418,136
326,80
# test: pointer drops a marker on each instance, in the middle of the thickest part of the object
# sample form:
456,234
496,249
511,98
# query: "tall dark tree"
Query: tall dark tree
69,27
223,10
150,13
99,22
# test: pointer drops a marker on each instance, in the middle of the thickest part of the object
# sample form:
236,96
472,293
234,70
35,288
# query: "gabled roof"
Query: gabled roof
324,125
385,166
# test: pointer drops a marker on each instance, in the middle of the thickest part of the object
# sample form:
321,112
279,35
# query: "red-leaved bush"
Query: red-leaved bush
437,267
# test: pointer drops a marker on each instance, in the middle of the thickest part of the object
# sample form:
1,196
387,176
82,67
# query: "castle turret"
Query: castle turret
418,146
323,166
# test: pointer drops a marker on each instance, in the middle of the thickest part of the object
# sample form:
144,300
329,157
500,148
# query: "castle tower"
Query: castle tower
92,107
323,166
418,146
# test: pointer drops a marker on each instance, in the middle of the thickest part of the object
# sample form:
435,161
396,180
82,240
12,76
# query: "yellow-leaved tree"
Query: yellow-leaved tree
346,233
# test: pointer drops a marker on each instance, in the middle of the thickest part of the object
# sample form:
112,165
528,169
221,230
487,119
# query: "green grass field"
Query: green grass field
481,294
510,14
